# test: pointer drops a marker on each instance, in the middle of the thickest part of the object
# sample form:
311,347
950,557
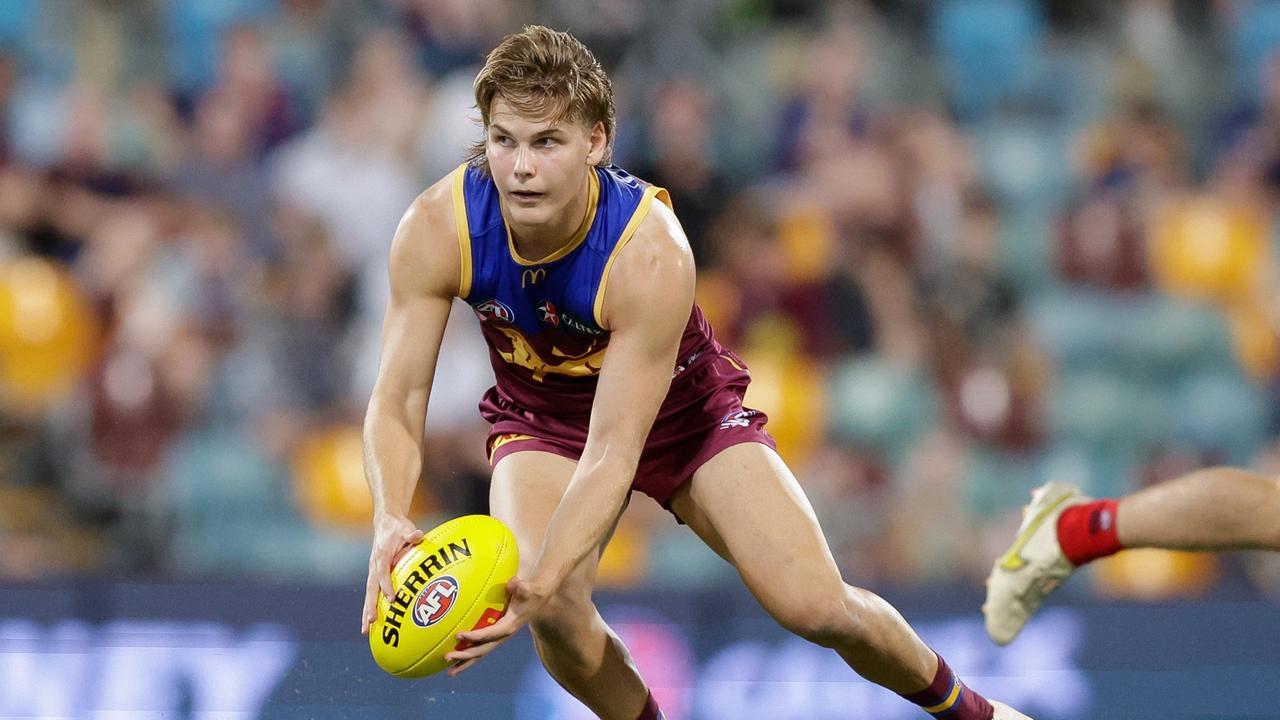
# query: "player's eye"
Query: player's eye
502,140
548,141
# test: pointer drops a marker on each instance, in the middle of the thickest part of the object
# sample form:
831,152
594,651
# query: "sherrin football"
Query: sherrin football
452,581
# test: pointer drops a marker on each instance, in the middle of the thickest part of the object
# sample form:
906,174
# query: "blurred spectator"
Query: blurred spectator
8,76
223,169
451,34
827,108
1139,151
980,351
350,170
247,77
681,157
1131,165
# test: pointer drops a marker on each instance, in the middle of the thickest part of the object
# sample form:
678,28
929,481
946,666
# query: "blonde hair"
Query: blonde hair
545,73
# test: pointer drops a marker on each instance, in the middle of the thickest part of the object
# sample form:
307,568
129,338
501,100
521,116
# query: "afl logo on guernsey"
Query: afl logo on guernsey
435,601
496,309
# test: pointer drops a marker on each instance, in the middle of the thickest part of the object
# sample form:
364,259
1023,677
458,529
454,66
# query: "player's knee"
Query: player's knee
566,616
829,619
564,635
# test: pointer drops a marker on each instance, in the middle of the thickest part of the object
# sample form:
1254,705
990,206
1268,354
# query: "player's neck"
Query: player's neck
535,242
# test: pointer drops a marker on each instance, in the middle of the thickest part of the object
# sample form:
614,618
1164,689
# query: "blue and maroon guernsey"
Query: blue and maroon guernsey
542,319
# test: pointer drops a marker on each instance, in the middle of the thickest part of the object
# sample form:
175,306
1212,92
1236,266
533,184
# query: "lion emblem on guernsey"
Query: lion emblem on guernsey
522,353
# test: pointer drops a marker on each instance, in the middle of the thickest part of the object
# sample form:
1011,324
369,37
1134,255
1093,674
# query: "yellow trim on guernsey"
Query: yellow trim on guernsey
464,231
589,219
641,211
951,699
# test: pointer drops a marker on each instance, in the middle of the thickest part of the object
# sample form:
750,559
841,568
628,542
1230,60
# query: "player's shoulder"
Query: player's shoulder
658,237
653,273
426,242
433,209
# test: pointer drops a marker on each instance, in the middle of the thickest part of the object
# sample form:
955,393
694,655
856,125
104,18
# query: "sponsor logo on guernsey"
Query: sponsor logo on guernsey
548,313
496,309
742,418
684,364
532,277
551,316
435,601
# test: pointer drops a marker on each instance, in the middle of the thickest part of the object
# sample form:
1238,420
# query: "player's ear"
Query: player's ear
598,140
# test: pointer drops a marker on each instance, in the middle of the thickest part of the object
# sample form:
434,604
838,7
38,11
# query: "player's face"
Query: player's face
540,167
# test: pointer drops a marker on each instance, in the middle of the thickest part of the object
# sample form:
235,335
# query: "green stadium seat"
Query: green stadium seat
877,405
678,559
1108,412
1221,412
1168,338
1077,327
223,492
1099,473
1023,160
1026,249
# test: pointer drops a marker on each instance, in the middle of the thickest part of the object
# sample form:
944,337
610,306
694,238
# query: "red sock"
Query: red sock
948,697
650,711
1088,532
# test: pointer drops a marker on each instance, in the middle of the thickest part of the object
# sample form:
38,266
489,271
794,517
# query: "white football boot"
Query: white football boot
1033,566
1004,712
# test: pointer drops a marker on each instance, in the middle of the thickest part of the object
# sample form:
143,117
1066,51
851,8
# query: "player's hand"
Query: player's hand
391,535
525,602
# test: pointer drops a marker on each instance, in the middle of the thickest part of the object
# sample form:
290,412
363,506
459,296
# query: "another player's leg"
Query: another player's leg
1212,509
748,507
1215,509
575,645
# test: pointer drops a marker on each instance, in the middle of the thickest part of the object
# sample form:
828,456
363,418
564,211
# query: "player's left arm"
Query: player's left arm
646,306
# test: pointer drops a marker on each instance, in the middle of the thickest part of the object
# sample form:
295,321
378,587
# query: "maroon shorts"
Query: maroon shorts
702,415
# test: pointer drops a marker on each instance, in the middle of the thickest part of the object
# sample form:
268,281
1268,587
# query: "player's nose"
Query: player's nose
524,166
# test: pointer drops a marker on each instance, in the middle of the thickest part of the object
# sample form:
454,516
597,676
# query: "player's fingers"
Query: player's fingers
457,670
496,632
486,638
514,587
407,541
473,652
380,569
370,603
395,558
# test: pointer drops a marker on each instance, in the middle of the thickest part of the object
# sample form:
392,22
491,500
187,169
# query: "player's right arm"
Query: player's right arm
424,273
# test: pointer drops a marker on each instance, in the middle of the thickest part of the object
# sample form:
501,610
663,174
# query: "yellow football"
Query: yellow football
453,580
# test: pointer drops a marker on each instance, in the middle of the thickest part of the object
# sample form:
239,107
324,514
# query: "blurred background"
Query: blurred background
965,246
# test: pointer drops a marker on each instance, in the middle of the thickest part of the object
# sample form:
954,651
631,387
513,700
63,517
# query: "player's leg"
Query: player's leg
747,506
575,645
1213,509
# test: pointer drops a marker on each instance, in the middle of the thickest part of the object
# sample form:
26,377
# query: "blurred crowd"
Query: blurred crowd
965,246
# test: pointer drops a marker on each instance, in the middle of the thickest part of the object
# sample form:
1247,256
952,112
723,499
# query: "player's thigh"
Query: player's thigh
748,507
525,490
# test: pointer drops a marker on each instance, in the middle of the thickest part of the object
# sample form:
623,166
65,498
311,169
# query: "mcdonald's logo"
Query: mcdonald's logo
532,277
